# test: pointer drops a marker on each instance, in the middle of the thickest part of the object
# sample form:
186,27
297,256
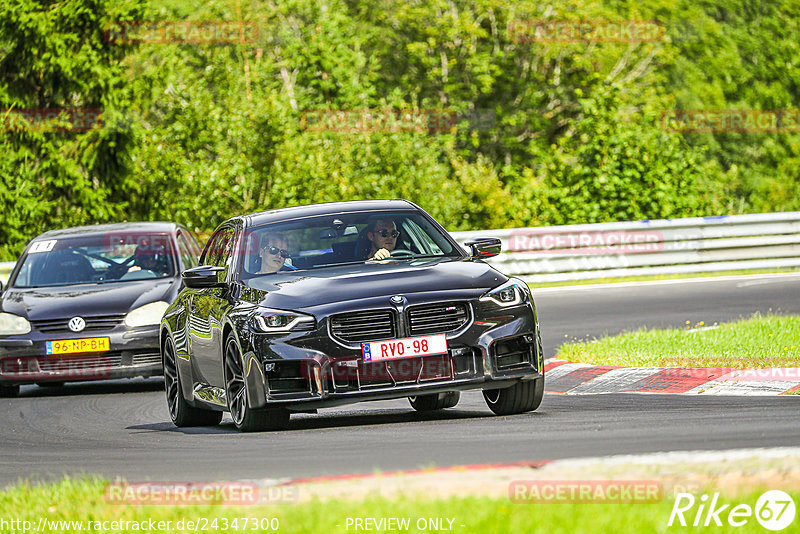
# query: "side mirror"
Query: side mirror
202,277
484,247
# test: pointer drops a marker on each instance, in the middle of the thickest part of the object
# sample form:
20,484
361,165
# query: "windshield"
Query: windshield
339,239
96,258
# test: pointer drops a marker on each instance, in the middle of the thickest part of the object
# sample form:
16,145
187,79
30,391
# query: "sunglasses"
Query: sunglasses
275,251
387,233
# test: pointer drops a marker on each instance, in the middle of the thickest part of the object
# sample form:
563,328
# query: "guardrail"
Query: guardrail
694,245
5,271
666,246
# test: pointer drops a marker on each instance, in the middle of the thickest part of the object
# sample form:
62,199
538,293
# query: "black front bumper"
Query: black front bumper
133,352
318,373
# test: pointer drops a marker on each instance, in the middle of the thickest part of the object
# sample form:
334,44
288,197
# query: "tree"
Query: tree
70,169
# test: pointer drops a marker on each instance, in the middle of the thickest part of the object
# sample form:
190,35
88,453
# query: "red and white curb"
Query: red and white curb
528,464
669,473
580,378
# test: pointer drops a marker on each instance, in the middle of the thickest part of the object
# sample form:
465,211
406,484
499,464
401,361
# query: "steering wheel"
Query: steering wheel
400,252
119,269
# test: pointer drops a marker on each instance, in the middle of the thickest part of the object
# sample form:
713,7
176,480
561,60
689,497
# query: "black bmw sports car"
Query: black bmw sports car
85,303
315,306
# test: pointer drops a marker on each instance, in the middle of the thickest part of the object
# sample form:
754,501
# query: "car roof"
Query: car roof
156,227
329,208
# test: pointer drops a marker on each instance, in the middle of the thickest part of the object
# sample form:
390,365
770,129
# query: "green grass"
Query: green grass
759,342
83,500
657,277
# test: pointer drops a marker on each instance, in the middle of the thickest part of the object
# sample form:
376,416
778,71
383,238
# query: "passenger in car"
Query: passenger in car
274,252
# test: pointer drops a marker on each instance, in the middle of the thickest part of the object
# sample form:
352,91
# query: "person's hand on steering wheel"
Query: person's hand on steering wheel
381,254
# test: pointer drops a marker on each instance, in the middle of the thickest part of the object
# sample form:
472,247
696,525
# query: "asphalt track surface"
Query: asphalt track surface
122,428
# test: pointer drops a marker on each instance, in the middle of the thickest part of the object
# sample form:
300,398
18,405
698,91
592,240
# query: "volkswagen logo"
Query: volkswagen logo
77,324
397,299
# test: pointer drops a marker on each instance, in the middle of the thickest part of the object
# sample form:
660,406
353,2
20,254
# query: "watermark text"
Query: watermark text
589,31
181,32
585,491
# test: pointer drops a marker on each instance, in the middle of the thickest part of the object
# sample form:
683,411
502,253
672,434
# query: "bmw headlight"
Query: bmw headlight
511,293
271,321
147,315
11,325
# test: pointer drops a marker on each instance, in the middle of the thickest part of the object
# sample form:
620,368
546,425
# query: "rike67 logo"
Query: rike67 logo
774,510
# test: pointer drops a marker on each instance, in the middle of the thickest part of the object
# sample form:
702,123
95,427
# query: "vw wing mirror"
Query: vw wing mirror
202,277
484,247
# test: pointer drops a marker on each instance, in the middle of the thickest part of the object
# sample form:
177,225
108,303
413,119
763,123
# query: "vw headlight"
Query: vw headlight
147,315
12,325
271,321
511,293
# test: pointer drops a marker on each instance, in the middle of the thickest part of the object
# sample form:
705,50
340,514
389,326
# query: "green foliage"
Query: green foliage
765,342
53,56
734,54
199,132
610,167
455,501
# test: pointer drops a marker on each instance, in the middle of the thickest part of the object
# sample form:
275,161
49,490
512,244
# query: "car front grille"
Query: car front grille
82,366
111,360
150,358
356,375
437,318
377,325
364,326
101,322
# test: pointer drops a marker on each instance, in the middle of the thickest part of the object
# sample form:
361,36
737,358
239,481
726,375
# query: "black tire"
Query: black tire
9,392
245,418
519,398
50,384
435,401
182,413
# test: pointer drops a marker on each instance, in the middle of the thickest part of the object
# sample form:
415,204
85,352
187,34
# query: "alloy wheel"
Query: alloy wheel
171,378
234,382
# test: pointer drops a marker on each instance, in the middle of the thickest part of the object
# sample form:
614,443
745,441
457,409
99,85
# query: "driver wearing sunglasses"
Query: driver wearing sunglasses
274,252
383,239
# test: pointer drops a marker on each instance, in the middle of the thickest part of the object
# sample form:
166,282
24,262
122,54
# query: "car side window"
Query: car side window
422,241
215,247
228,254
188,256
191,240
220,249
25,273
204,257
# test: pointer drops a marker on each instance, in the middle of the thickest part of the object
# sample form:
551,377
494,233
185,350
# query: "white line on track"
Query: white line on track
750,279
673,457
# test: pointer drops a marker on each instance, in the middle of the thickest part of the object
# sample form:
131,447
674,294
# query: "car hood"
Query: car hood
314,288
42,303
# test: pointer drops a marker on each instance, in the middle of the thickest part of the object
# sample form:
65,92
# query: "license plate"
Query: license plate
76,346
409,347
